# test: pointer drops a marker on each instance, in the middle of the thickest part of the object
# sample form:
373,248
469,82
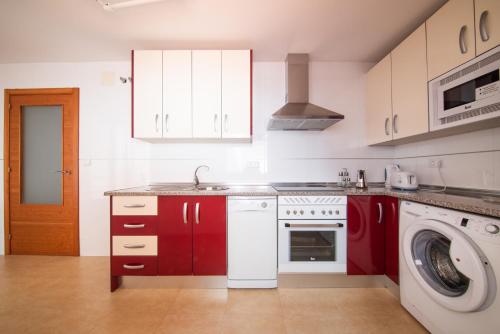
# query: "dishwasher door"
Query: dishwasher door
252,242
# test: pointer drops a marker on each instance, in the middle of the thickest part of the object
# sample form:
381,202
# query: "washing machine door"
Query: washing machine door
446,264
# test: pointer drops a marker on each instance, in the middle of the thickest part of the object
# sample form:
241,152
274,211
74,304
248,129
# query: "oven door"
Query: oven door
317,246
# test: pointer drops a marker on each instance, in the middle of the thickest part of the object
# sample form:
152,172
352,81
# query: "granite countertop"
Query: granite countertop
458,202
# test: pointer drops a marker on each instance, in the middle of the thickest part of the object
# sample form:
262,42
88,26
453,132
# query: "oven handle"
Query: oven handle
314,225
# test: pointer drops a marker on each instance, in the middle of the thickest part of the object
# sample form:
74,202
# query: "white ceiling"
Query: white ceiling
80,30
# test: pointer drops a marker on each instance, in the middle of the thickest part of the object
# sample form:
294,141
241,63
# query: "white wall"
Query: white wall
470,160
110,159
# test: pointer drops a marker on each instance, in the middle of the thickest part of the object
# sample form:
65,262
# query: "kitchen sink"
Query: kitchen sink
211,188
185,187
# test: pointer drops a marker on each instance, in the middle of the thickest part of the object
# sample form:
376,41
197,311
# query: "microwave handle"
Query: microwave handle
313,225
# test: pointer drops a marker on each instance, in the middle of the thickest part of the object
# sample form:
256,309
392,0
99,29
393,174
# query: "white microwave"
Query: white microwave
467,94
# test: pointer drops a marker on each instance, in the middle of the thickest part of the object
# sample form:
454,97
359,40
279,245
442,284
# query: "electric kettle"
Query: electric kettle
361,184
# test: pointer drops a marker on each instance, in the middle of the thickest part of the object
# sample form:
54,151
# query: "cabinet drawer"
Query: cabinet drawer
134,265
134,225
135,245
135,205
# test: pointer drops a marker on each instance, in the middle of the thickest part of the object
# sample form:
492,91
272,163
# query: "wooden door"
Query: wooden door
41,178
209,235
379,103
450,37
365,235
147,93
177,94
487,25
236,93
391,221
175,235
409,86
206,93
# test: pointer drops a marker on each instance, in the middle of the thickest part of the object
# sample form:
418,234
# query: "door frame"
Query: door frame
75,93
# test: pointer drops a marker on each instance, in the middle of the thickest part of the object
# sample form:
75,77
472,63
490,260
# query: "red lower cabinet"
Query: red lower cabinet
392,238
365,235
192,235
209,235
175,235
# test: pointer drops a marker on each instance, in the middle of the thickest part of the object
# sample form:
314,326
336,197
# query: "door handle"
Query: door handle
197,213
380,213
64,172
482,26
461,39
386,125
215,122
156,122
394,125
225,122
133,266
134,246
166,123
185,213
313,225
134,225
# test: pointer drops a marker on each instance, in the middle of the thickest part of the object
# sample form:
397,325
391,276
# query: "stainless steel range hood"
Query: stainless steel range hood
298,113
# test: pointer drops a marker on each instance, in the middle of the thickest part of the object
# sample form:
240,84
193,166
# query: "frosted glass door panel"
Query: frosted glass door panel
41,155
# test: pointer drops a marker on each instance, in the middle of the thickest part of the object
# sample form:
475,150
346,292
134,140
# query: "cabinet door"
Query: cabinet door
409,86
378,102
206,93
365,235
487,24
175,236
177,94
236,93
147,93
209,235
391,221
450,37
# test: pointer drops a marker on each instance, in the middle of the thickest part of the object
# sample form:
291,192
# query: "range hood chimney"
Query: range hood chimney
298,113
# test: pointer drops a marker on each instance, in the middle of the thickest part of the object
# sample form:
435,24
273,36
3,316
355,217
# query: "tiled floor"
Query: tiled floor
70,295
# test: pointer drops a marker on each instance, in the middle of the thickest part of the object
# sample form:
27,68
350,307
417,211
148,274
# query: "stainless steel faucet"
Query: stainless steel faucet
196,181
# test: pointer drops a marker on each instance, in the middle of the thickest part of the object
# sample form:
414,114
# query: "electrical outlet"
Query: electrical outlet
435,163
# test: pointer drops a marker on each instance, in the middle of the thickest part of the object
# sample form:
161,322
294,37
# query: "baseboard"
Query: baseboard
322,280
174,282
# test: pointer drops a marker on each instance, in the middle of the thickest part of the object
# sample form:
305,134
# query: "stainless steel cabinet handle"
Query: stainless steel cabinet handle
394,125
131,206
482,26
185,213
461,40
380,213
313,225
134,225
166,123
197,213
215,122
133,266
134,246
156,122
387,126
225,122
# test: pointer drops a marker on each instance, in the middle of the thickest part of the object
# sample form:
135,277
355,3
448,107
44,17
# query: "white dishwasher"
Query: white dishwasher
252,242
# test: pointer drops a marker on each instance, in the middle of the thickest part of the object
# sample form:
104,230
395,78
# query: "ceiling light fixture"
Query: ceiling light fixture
106,5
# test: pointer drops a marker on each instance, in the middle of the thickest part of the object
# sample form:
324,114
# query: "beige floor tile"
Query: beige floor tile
307,302
190,324
200,301
250,324
253,301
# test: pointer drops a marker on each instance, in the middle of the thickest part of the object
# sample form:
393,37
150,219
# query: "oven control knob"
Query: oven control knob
294,212
301,212
337,212
323,212
330,212
312,212
492,229
287,212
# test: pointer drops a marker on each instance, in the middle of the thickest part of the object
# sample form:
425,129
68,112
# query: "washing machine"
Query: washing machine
449,269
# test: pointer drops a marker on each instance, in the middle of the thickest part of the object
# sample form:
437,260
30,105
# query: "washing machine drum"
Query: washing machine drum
446,264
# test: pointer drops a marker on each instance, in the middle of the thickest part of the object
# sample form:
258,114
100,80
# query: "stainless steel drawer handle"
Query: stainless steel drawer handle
134,225
132,206
133,266
314,225
482,26
134,246
461,40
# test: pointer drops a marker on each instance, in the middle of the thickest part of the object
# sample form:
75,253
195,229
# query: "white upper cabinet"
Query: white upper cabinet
450,37
378,102
236,93
177,120
147,93
206,93
410,114
487,24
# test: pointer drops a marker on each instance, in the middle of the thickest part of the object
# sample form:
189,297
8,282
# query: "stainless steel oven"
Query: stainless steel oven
312,234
